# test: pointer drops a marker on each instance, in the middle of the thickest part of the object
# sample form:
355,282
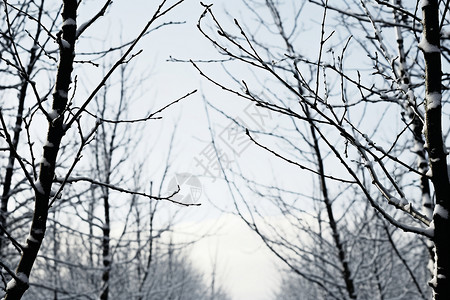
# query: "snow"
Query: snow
39,187
403,202
423,166
49,145
65,44
53,114
11,284
430,229
424,3
62,94
417,147
53,194
440,211
32,239
404,87
445,34
433,100
70,179
424,131
69,22
107,259
426,199
410,94
82,27
427,47
45,162
407,207
23,278
433,281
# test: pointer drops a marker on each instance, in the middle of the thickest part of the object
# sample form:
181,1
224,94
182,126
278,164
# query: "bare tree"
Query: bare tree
13,31
360,114
30,31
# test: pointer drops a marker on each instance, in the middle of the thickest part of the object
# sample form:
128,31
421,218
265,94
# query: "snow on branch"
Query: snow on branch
123,190
85,25
433,100
402,204
426,47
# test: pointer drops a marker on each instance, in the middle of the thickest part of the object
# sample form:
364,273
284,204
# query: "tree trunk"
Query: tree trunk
106,254
437,153
66,40
346,273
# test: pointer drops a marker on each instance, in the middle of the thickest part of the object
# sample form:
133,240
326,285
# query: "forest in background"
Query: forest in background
328,141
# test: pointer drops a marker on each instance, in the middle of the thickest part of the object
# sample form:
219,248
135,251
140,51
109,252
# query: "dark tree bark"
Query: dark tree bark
436,149
66,39
342,256
360,146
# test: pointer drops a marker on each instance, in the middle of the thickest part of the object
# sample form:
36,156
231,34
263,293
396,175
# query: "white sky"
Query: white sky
246,268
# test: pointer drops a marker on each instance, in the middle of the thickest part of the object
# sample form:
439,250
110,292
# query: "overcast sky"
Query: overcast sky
247,270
